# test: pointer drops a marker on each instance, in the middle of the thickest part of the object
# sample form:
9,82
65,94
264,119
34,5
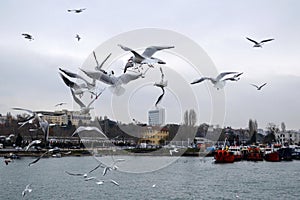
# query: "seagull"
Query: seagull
99,67
34,142
77,10
154,186
175,150
114,82
218,82
86,83
77,37
77,174
161,84
46,152
26,190
146,56
259,44
129,64
107,168
259,87
28,36
79,89
7,160
83,108
88,128
60,104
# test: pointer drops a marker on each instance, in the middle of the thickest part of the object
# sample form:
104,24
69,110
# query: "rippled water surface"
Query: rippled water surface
185,178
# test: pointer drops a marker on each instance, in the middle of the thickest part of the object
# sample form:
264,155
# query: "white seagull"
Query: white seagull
99,67
161,84
219,82
114,82
26,190
84,109
80,129
175,150
259,87
79,89
86,84
34,142
259,44
146,56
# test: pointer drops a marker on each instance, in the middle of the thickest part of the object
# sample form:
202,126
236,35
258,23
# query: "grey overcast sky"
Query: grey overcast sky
29,70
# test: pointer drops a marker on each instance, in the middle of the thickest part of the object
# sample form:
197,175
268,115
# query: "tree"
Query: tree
283,127
252,130
186,118
192,117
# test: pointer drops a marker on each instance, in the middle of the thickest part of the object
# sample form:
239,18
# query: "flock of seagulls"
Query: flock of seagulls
133,70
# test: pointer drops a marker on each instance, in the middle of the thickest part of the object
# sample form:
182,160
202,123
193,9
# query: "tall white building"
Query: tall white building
156,117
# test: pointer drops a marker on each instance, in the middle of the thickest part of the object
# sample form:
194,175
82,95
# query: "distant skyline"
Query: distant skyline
29,69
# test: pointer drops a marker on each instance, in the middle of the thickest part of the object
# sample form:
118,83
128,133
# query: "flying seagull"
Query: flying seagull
41,156
259,44
79,89
146,56
259,87
77,37
114,82
161,84
26,190
219,82
77,10
84,109
60,104
99,67
80,129
86,84
175,150
77,174
27,36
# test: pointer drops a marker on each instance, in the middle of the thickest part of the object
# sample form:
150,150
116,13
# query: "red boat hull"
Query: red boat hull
272,157
223,156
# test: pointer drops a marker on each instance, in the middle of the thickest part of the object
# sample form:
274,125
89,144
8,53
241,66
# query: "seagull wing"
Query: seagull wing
221,75
137,55
30,111
74,174
160,97
151,50
200,80
73,75
126,78
100,165
77,100
261,86
114,182
101,65
162,74
69,83
266,40
36,160
251,40
254,85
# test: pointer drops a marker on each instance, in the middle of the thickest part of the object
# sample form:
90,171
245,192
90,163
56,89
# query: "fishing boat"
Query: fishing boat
296,152
223,156
271,155
254,154
236,150
285,154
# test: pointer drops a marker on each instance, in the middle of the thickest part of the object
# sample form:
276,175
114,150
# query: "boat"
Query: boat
223,156
254,154
236,150
285,154
296,153
271,155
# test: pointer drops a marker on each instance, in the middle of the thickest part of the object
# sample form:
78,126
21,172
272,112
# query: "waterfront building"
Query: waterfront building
156,117
290,137
154,136
63,117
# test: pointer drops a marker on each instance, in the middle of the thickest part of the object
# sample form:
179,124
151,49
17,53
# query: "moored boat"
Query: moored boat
254,154
272,156
224,156
236,150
